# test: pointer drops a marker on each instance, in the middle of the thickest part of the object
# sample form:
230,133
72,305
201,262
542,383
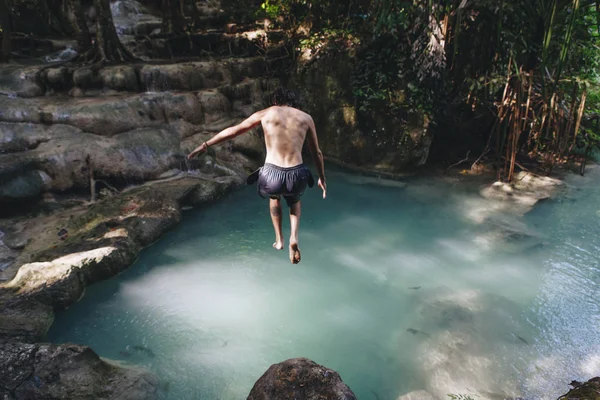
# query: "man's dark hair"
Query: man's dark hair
284,97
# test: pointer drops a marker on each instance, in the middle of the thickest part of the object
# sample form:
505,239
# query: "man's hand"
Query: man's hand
198,150
323,185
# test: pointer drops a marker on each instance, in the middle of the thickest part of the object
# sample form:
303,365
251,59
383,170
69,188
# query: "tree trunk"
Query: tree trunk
173,21
108,47
55,17
195,15
79,25
60,10
5,13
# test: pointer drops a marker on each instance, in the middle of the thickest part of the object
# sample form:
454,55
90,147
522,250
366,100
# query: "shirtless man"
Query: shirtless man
284,173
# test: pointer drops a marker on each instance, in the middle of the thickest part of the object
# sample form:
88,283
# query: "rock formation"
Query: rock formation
300,378
46,371
589,390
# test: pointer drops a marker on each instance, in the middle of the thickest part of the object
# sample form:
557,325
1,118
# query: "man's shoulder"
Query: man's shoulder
287,109
299,112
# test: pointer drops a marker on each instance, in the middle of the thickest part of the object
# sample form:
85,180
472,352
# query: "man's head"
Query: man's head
284,97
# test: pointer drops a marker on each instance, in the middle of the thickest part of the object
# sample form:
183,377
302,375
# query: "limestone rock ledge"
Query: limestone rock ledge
74,248
519,197
68,371
300,378
67,251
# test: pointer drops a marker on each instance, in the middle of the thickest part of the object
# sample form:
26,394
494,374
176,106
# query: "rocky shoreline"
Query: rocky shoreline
87,181
103,240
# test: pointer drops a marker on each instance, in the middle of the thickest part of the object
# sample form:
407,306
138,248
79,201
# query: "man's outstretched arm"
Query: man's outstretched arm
313,145
230,133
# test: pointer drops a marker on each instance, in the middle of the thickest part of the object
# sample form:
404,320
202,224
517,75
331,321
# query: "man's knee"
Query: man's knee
295,208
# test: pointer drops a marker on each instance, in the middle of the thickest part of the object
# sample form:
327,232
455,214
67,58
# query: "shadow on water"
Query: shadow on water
400,289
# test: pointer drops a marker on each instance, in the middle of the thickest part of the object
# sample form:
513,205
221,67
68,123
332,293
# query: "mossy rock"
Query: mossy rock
589,390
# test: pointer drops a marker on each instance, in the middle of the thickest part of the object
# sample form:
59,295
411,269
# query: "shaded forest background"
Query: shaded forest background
508,82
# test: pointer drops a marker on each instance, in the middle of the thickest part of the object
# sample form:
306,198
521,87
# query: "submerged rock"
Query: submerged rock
467,330
302,379
417,395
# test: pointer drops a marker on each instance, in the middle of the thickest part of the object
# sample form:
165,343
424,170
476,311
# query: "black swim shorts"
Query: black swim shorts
275,181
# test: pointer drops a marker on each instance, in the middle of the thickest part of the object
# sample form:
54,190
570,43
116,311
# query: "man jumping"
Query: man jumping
283,174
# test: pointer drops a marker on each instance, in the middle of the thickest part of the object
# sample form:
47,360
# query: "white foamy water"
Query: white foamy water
401,288
63,55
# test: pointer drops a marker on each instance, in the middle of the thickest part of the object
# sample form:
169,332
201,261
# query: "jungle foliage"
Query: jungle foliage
507,77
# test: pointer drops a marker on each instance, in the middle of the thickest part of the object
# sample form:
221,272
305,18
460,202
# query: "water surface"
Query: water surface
399,289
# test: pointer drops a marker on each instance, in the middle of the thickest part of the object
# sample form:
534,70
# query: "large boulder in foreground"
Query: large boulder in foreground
589,390
47,371
300,379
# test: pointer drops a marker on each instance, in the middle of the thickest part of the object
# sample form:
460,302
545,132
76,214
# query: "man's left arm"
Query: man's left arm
230,133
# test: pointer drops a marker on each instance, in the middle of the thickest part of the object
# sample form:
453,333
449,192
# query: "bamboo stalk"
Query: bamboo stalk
566,43
579,116
525,120
546,44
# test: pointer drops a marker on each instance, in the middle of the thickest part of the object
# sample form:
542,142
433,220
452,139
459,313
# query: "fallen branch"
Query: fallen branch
461,161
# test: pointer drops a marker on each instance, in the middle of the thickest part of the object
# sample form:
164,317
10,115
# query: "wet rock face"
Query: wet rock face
370,141
417,395
65,157
48,146
29,371
16,80
300,378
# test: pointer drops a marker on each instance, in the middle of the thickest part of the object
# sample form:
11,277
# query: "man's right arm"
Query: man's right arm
229,133
313,145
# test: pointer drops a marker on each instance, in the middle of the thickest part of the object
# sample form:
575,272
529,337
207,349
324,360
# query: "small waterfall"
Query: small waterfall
155,81
62,55
132,18
127,9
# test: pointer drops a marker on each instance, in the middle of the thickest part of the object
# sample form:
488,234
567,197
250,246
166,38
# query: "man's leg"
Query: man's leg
275,208
295,211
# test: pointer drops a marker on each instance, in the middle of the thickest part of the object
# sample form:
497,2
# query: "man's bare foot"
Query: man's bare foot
278,245
294,253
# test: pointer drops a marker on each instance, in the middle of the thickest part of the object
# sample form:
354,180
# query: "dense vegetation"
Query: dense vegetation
507,81
502,80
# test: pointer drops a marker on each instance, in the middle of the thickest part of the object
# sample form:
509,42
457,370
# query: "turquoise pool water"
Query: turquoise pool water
401,288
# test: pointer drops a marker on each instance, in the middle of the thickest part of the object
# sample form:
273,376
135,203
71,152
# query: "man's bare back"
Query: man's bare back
285,130
284,173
